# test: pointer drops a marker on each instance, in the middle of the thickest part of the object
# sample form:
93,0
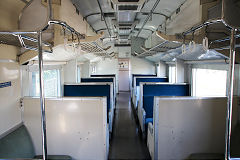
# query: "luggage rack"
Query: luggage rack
161,47
27,41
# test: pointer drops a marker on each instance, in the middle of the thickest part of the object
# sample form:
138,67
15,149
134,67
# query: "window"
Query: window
94,69
78,74
52,84
172,74
209,83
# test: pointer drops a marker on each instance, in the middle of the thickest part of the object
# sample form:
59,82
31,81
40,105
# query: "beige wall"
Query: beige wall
9,13
10,112
8,52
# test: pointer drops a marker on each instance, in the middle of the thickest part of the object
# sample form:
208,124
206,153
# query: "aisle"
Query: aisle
126,142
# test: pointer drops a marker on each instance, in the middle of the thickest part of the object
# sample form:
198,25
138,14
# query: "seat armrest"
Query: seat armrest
110,120
150,140
144,116
142,119
150,129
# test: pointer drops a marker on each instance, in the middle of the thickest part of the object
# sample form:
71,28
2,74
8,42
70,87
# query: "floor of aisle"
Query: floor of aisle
126,142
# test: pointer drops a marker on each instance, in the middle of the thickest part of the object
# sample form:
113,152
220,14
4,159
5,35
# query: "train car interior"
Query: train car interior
120,79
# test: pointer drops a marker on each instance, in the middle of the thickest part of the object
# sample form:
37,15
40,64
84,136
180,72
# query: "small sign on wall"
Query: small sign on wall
5,84
123,64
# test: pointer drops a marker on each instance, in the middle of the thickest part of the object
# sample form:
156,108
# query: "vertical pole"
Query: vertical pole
230,95
50,11
42,99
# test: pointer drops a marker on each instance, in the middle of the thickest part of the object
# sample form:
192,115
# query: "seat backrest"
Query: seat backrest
103,75
141,75
97,79
151,90
88,91
17,144
150,79
108,79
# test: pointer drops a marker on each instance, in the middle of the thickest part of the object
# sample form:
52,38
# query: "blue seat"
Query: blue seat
107,79
149,120
97,79
142,75
151,90
103,75
153,79
88,91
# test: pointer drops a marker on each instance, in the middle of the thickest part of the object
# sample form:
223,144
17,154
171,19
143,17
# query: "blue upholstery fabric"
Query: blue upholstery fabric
104,75
17,144
149,91
88,91
97,79
149,120
142,75
153,79
108,79
148,106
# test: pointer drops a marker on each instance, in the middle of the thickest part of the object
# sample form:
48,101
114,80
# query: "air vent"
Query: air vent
110,14
123,36
128,8
125,25
125,28
128,5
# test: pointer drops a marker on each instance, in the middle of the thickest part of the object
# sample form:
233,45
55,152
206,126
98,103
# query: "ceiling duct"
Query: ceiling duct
127,5
123,37
124,31
125,24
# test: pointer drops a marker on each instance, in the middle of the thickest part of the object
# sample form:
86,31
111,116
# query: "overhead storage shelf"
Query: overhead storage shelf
161,47
91,47
28,41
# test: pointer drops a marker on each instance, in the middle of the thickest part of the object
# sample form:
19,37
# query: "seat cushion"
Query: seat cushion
17,144
53,157
149,120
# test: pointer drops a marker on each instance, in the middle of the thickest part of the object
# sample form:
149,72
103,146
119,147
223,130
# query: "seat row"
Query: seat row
78,123
177,125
